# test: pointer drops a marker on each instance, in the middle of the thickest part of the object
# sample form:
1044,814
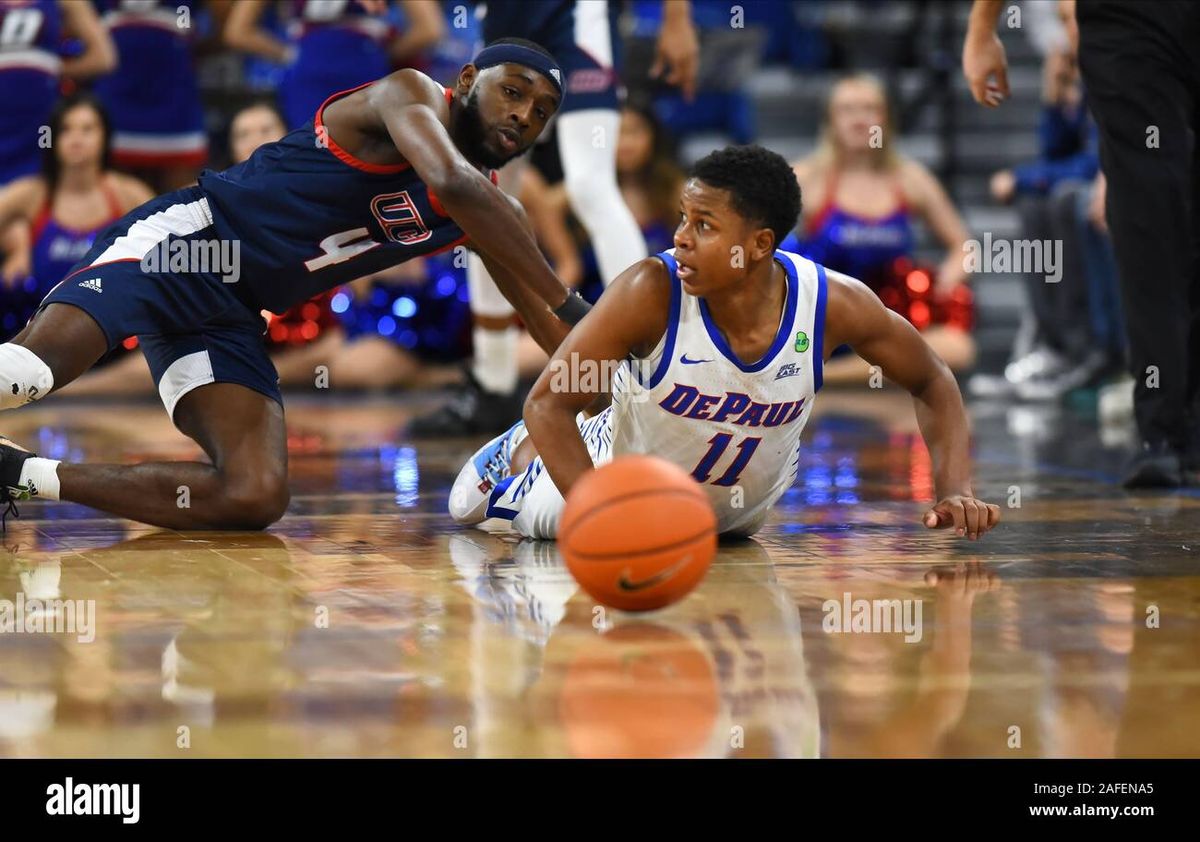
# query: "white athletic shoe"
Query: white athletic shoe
482,473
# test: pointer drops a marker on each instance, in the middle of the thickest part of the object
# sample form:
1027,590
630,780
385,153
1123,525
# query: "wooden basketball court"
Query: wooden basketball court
366,624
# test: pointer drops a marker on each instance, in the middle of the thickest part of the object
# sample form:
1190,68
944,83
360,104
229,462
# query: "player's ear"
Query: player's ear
466,78
764,243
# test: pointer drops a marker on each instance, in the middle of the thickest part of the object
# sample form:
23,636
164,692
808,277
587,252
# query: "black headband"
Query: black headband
516,54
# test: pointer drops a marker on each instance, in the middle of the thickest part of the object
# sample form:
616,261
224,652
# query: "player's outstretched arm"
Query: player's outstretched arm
629,318
407,104
855,316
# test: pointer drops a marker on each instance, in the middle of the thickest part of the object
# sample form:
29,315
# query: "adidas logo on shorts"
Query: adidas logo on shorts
92,284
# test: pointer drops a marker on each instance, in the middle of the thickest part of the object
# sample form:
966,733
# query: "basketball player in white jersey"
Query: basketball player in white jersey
718,347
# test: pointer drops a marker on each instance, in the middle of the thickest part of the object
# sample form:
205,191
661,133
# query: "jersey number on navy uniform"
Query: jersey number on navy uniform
396,214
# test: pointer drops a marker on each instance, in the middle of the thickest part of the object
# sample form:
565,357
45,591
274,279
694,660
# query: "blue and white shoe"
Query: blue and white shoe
483,472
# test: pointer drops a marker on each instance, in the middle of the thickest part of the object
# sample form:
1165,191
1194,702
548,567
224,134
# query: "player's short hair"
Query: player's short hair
524,42
760,182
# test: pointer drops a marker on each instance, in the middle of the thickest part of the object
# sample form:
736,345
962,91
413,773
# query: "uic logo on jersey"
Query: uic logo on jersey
787,370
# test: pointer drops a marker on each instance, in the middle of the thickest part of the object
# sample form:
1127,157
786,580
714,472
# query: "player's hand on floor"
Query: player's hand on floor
969,516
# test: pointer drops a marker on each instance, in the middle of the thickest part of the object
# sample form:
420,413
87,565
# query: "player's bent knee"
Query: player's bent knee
24,377
254,503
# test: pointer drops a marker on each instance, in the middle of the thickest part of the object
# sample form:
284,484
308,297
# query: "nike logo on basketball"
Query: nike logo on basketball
92,284
684,359
626,584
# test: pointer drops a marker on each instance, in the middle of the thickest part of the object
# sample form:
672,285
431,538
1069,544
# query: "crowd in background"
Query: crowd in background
139,95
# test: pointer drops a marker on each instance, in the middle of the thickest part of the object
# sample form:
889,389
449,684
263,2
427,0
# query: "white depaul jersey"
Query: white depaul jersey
735,427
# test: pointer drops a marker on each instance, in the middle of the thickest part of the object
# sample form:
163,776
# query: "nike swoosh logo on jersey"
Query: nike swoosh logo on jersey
684,359
625,584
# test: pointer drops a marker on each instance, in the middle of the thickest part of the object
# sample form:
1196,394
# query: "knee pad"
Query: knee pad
23,376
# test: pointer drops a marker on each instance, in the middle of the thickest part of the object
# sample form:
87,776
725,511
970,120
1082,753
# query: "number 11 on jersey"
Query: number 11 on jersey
717,446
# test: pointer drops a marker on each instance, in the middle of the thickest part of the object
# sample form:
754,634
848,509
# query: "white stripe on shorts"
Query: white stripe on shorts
181,220
189,372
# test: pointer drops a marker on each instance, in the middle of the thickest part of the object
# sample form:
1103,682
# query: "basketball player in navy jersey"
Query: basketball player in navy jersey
395,169
716,350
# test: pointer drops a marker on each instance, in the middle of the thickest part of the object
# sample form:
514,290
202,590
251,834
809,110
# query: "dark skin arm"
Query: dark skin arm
630,317
855,316
402,118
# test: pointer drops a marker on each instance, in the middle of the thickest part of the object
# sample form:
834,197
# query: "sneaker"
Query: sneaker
1041,362
1096,368
469,412
1155,465
12,458
472,490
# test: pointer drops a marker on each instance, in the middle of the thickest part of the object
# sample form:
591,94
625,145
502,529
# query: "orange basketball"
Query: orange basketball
638,533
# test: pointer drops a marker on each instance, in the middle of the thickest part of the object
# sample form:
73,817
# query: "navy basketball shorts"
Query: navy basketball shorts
194,326
580,35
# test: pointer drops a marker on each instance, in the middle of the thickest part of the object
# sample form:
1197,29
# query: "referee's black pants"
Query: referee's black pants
1141,69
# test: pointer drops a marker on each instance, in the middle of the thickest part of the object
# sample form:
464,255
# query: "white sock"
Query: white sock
495,364
40,476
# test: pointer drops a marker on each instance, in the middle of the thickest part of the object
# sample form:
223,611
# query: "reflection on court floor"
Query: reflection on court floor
366,624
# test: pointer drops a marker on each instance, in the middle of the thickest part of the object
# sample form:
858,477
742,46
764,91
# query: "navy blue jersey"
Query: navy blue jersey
309,216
